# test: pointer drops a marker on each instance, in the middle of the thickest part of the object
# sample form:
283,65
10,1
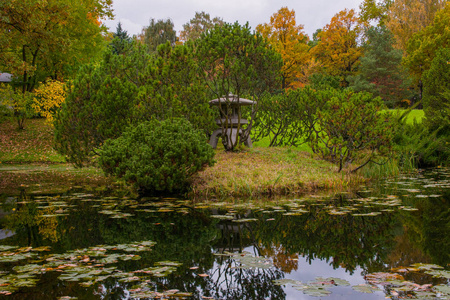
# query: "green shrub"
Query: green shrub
157,156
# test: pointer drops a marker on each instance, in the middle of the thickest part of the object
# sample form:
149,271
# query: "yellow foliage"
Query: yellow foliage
288,39
406,17
338,49
49,98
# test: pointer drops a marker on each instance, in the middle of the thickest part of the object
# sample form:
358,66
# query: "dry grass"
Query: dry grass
267,172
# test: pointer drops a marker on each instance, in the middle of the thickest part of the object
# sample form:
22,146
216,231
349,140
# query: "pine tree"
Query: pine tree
380,69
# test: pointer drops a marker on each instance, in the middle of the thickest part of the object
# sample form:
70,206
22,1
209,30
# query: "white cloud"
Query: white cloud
135,14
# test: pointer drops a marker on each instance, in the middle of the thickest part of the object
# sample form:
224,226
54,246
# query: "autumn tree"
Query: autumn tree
406,17
49,38
423,45
157,33
48,99
374,11
338,47
288,39
380,71
198,25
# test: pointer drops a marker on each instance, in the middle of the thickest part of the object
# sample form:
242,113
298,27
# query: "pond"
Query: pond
388,240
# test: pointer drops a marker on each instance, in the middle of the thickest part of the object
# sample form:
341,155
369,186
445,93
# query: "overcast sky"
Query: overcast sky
313,14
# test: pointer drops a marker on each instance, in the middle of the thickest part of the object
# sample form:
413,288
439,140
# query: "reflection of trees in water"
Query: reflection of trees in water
425,234
229,281
343,240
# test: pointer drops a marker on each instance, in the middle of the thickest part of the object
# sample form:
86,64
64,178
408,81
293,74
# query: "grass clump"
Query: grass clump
269,171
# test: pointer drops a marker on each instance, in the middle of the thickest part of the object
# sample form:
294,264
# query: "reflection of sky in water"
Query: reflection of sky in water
320,268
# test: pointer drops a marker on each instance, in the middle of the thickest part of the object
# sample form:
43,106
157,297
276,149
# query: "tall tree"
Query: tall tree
380,71
198,25
121,40
406,17
49,38
157,33
423,45
234,60
374,11
436,100
288,39
339,47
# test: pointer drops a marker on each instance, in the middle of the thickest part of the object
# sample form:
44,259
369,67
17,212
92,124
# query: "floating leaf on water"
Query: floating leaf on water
316,291
332,281
244,220
169,263
222,217
287,282
426,266
367,214
365,288
442,288
439,273
6,247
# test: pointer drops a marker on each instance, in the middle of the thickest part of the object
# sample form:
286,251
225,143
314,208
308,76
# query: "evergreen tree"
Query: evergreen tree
380,70
121,40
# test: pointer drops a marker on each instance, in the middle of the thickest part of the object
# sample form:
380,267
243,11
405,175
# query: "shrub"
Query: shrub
157,156
351,129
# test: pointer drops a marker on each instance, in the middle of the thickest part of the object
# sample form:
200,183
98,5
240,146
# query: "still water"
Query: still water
388,240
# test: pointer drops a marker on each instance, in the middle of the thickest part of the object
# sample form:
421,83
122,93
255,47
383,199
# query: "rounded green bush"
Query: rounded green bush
157,156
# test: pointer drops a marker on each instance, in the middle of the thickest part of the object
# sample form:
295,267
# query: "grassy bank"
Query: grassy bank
27,159
269,171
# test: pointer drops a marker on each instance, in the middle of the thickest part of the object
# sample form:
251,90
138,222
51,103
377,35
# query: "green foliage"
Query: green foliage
288,118
125,90
100,105
15,104
233,60
50,38
416,146
121,40
351,129
324,81
424,45
157,33
436,94
157,156
380,70
199,24
174,88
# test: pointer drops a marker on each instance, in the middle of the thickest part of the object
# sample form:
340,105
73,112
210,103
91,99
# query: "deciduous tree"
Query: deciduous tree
406,17
423,45
339,46
198,25
288,39
157,33
49,38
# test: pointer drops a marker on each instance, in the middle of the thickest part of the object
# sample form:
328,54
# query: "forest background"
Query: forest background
329,92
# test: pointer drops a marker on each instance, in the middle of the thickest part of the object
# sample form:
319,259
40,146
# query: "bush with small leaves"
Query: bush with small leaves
157,156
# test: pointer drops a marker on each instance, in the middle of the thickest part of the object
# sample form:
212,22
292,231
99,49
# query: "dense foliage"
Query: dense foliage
157,156
125,90
233,60
436,95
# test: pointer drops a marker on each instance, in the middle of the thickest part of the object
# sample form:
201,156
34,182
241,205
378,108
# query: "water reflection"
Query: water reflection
386,228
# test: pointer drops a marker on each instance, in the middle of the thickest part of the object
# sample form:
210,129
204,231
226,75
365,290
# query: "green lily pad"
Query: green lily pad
365,288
